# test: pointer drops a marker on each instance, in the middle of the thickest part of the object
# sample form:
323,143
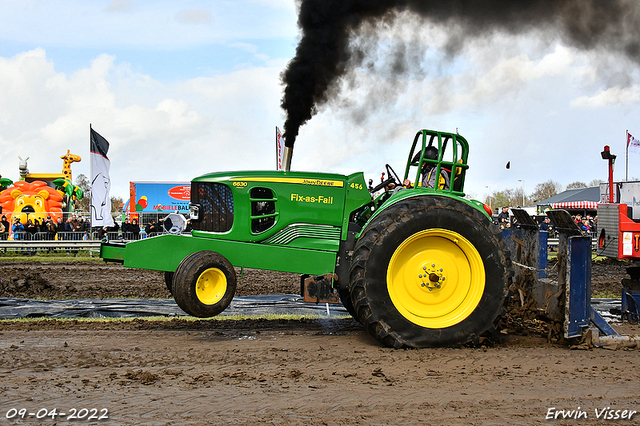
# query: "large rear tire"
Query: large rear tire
345,299
430,271
204,284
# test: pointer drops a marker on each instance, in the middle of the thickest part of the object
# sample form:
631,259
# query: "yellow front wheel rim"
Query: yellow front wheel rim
211,286
436,278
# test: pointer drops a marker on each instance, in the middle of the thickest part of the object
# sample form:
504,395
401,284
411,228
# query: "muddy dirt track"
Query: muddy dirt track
283,372
81,280
100,280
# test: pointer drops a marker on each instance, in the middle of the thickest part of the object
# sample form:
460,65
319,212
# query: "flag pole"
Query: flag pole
91,177
626,159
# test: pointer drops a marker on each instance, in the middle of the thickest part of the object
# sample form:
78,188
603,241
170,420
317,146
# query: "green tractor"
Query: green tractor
418,265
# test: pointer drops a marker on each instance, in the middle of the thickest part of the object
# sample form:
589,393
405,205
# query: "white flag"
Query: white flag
100,181
279,149
633,144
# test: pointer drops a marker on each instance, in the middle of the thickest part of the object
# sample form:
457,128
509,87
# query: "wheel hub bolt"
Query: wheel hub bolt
435,277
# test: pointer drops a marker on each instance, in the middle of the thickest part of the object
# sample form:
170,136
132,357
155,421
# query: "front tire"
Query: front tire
430,271
204,284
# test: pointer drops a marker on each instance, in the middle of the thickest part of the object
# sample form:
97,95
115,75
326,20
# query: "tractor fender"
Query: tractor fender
418,193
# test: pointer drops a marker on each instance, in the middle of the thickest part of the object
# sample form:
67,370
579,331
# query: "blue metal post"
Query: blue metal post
543,240
578,301
579,312
630,305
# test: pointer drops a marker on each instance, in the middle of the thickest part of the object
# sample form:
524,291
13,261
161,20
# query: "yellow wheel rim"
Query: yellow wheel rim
436,278
211,286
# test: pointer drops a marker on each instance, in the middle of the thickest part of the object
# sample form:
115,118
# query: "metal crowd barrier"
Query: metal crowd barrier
49,244
27,242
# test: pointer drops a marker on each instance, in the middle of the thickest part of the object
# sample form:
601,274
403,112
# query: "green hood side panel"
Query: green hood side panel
298,198
165,252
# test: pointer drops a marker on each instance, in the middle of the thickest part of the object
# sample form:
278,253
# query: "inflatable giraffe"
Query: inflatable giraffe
66,166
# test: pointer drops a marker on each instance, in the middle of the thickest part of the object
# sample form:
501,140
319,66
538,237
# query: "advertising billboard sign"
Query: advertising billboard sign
169,197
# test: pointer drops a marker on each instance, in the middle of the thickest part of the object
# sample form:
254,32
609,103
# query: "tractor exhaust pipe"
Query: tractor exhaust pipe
286,158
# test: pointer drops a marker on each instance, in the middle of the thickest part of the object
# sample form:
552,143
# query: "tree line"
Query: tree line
514,197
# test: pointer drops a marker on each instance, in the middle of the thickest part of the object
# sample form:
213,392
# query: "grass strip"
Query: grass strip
175,317
49,258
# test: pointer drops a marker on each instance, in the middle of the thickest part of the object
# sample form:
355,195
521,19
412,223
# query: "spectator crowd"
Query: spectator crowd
587,224
75,228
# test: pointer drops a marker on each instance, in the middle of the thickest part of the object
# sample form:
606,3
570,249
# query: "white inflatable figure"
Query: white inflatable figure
22,166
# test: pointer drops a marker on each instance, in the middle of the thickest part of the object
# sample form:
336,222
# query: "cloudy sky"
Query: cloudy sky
180,89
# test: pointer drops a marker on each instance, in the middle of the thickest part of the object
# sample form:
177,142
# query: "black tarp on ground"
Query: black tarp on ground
277,304
609,309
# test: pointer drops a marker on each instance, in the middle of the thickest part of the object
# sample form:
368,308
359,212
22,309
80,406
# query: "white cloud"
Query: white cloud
195,127
251,48
475,86
284,4
612,96
119,6
194,16
156,24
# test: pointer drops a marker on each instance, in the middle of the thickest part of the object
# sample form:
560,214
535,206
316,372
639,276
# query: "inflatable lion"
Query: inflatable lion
31,200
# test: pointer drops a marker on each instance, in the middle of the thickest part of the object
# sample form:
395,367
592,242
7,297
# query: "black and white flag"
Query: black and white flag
100,182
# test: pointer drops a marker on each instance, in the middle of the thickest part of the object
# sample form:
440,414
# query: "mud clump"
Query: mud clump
26,285
144,377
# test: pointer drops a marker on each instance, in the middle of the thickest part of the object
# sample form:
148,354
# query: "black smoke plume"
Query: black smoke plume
325,54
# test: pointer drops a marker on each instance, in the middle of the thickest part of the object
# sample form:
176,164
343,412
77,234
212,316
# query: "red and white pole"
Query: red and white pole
607,155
